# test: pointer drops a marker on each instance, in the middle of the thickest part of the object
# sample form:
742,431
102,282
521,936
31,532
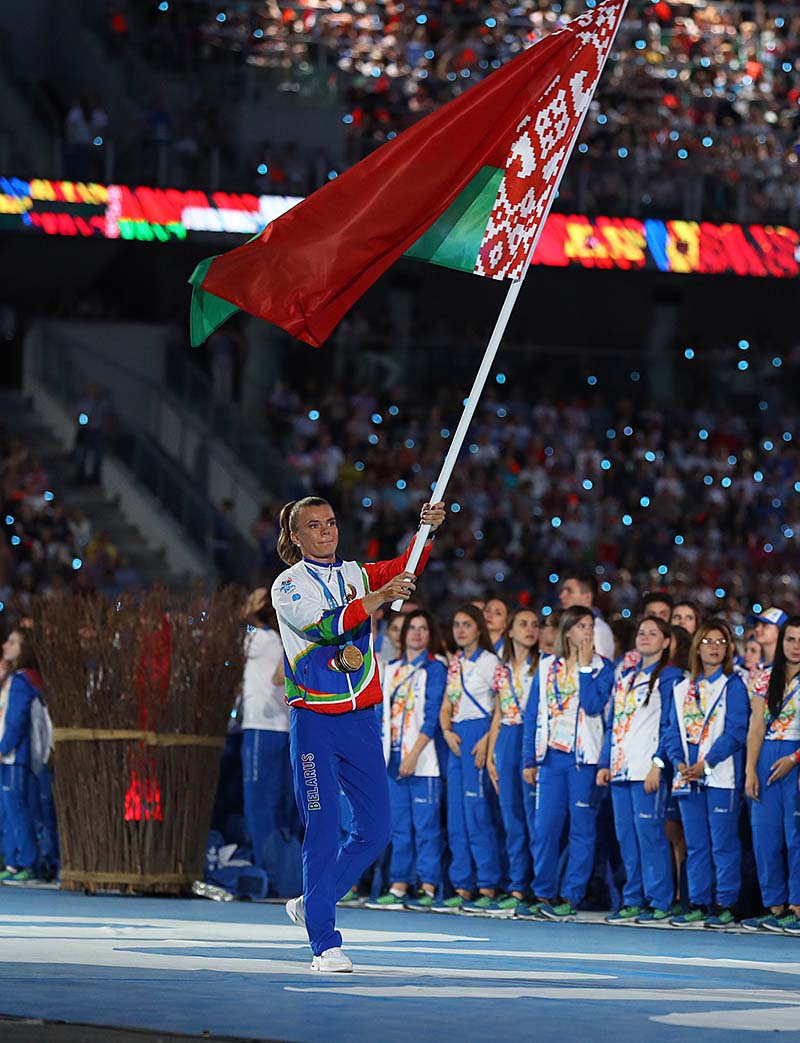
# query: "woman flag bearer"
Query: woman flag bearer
465,718
413,686
323,605
705,740
562,740
517,797
633,760
773,753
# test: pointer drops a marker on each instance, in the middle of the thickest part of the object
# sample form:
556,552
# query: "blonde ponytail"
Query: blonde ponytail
287,549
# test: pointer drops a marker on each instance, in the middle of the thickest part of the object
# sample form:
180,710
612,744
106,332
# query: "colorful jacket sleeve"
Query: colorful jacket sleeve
18,715
380,572
434,693
737,717
529,725
308,617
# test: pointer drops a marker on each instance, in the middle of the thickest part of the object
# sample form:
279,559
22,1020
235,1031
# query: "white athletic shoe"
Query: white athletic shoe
296,911
332,961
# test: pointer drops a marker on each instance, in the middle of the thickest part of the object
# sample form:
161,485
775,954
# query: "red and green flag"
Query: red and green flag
468,187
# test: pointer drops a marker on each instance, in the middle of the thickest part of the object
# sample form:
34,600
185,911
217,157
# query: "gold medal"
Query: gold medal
348,659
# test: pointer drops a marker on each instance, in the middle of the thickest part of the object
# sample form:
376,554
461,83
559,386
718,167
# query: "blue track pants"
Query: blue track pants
775,820
470,831
417,842
19,837
330,751
266,774
646,853
517,806
713,850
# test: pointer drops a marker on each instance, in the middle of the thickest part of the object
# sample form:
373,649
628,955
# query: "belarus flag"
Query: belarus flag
467,187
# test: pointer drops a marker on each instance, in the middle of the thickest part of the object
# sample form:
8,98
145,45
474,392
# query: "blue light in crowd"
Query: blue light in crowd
430,54
732,460
743,365
583,148
627,430
636,375
15,541
76,564
739,630
626,613
546,610
258,33
705,62
650,456
679,540
464,402
83,419
588,484
555,522
332,175
757,607
455,508
163,6
466,73
222,17
663,570
605,586
502,412
605,465
719,592
708,479
779,24
627,520
777,362
787,532
366,502
478,534
313,414
422,19
499,576
490,22
688,353
445,432
591,381
776,503
459,552
726,482
376,418
787,436
553,577
359,465
409,443
611,433
768,445
474,449
393,410
744,345
602,119
674,135
702,434
622,152
400,483
500,378
548,450
348,118
10,517
640,44
682,153
768,548
644,501
373,439
2,606
97,141
758,476
787,66
707,141
763,406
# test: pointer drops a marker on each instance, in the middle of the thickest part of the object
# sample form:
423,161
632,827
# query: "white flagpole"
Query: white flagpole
492,347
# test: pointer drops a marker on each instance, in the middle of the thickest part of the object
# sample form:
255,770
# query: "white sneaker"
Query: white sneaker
332,961
296,911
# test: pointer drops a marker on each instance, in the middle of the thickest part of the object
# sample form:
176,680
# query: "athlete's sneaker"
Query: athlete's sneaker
721,920
511,903
422,901
627,914
449,905
296,911
655,916
387,901
778,924
332,961
352,899
480,905
755,923
562,911
793,928
501,906
691,919
530,912
7,874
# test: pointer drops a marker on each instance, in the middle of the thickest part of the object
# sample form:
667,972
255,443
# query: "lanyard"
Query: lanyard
332,602
785,703
473,658
417,664
513,686
554,679
709,716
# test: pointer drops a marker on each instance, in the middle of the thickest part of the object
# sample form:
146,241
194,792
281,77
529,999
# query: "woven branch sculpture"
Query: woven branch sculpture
140,692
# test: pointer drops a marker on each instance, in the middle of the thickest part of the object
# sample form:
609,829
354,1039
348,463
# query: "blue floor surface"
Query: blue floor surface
243,970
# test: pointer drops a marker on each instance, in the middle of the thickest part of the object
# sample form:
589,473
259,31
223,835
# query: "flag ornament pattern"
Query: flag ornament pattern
542,148
469,187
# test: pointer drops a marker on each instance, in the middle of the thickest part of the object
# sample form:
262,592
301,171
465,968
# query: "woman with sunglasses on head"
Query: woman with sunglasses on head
465,718
413,686
705,743
633,762
517,797
562,740
773,754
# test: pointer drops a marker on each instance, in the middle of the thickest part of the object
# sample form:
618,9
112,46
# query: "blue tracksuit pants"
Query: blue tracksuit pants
517,806
713,850
417,843
329,751
643,844
565,790
266,775
19,837
470,831
775,821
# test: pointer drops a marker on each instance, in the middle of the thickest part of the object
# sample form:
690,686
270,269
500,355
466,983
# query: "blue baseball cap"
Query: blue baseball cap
776,616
